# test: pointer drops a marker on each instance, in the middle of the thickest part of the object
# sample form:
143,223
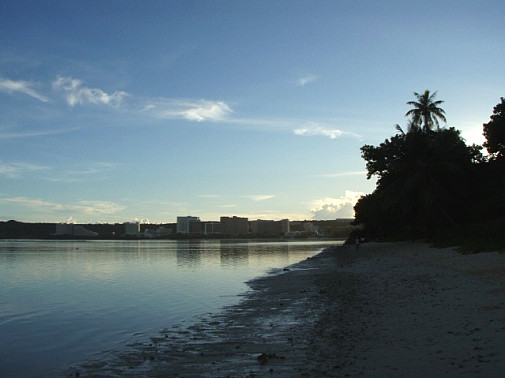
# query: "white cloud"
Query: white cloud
82,207
199,111
332,208
21,86
319,130
19,169
301,82
76,93
260,197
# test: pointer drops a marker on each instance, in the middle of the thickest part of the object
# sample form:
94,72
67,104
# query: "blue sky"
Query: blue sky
114,111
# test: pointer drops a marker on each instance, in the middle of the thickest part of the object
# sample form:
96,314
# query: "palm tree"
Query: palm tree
426,112
411,127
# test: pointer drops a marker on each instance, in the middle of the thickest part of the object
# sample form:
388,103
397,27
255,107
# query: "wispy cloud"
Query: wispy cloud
208,195
98,207
260,197
76,93
228,206
16,170
322,129
93,168
161,202
303,81
81,207
20,86
84,172
33,133
319,130
191,110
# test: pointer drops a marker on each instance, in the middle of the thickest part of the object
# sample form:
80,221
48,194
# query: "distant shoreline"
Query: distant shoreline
331,229
253,239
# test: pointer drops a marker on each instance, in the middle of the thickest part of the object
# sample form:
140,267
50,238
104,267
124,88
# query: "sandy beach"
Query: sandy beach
388,309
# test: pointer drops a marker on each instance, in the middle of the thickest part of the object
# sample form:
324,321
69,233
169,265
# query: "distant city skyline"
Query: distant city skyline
119,111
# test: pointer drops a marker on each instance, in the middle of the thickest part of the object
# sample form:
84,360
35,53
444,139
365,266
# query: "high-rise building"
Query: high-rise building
189,225
234,226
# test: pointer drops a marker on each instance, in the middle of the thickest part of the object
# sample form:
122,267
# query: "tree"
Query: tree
426,111
494,132
424,182
411,126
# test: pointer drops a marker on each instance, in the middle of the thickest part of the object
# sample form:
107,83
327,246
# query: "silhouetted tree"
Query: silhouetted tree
426,111
411,126
424,182
430,183
493,172
494,132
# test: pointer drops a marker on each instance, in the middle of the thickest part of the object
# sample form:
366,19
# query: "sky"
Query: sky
119,111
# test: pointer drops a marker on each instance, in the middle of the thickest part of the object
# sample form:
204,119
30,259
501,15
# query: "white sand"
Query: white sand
390,309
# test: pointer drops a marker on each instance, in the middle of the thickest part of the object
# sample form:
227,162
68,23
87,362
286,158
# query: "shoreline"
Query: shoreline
388,309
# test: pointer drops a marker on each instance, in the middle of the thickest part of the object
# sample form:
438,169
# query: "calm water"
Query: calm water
63,302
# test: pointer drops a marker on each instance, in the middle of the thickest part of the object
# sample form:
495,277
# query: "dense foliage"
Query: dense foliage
494,131
429,181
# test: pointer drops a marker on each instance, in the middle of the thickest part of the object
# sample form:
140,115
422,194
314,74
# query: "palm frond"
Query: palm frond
426,110
399,128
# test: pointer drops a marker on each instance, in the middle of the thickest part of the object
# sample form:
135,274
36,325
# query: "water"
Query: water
63,302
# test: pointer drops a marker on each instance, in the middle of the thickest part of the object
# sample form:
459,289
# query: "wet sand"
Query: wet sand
389,309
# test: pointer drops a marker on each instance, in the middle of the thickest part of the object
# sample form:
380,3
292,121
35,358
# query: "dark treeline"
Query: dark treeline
337,228
22,230
431,184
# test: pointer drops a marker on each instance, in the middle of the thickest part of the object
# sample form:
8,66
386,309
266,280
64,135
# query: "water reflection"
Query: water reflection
233,254
82,297
192,254
189,253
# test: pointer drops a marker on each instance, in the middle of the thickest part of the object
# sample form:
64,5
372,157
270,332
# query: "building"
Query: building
163,232
211,228
70,229
284,226
269,227
189,225
309,227
234,226
302,228
132,228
